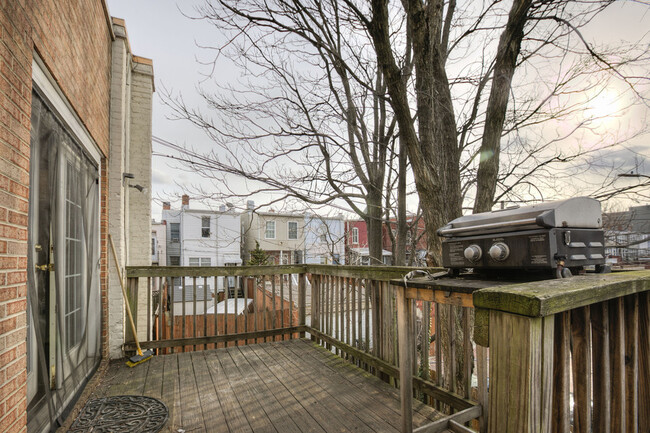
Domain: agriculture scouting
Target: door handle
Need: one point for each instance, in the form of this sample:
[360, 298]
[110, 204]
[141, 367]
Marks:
[47, 267]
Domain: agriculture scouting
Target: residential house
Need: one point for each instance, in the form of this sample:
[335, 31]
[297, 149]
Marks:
[75, 167]
[416, 239]
[324, 239]
[356, 244]
[158, 243]
[627, 234]
[201, 237]
[280, 235]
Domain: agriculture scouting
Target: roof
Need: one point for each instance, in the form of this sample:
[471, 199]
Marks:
[235, 306]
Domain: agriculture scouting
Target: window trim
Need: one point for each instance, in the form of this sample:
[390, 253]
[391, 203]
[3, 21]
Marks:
[171, 236]
[266, 229]
[355, 235]
[289, 230]
[203, 227]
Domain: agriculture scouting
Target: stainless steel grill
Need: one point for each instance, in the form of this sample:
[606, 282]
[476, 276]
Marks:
[552, 235]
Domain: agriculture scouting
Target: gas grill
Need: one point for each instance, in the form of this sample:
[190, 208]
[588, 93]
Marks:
[557, 236]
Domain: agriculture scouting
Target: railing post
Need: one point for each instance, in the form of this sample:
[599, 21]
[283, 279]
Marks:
[302, 301]
[132, 295]
[521, 373]
[405, 341]
[315, 304]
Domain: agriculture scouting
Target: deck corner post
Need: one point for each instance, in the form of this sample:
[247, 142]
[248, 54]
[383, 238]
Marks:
[405, 342]
[302, 283]
[521, 373]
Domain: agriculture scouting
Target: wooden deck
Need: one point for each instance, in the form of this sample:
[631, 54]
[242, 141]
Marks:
[289, 386]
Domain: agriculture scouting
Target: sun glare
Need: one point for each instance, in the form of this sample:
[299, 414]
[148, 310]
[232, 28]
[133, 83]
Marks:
[604, 106]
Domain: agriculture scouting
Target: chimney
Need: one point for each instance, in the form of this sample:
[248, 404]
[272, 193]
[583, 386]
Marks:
[167, 205]
[250, 205]
[185, 201]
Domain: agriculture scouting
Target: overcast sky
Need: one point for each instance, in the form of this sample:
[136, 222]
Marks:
[158, 30]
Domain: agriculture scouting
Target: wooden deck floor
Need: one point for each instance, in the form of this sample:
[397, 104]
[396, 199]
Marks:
[290, 386]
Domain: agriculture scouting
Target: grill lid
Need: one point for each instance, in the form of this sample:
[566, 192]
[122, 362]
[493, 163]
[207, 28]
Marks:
[578, 212]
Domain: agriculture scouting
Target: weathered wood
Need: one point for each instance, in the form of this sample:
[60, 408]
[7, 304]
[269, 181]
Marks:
[442, 424]
[224, 338]
[302, 301]
[208, 397]
[315, 304]
[421, 385]
[544, 298]
[482, 385]
[581, 368]
[171, 394]
[467, 353]
[617, 359]
[190, 402]
[406, 342]
[601, 367]
[631, 305]
[644, 362]
[561, 411]
[481, 327]
[383, 273]
[520, 381]
[441, 296]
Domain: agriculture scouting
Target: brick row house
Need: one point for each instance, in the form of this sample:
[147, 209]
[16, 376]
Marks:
[75, 166]
[356, 242]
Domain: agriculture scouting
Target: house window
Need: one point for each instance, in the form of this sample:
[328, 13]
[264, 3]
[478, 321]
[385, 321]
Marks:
[153, 246]
[200, 261]
[270, 230]
[175, 232]
[323, 237]
[355, 235]
[323, 260]
[293, 230]
[174, 260]
[205, 227]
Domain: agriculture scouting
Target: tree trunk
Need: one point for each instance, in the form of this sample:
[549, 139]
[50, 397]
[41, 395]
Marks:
[504, 69]
[402, 225]
[374, 224]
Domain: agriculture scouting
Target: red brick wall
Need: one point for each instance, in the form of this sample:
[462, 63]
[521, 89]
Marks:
[74, 41]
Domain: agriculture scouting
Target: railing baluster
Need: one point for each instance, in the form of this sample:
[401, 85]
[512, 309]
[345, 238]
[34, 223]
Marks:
[256, 314]
[282, 337]
[205, 309]
[581, 368]
[632, 367]
[172, 319]
[601, 366]
[560, 398]
[215, 302]
[644, 361]
[264, 304]
[194, 311]
[183, 311]
[275, 318]
[226, 317]
[236, 309]
[290, 305]
[468, 353]
[244, 283]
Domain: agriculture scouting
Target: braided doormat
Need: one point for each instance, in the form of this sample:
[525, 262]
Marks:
[121, 414]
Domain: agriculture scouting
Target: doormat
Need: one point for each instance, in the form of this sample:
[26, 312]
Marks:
[121, 414]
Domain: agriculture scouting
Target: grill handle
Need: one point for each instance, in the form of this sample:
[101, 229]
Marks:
[450, 231]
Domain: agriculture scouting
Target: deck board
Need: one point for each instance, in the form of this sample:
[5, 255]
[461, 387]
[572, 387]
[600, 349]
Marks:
[284, 386]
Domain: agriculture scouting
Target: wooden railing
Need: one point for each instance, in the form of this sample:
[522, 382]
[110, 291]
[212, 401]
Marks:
[550, 343]
[569, 355]
[350, 310]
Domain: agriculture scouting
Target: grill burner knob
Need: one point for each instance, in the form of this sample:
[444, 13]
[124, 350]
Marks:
[473, 253]
[499, 251]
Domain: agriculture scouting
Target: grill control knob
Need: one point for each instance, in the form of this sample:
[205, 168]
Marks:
[499, 251]
[473, 253]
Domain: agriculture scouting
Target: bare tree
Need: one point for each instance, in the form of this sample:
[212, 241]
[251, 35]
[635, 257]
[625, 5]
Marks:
[310, 118]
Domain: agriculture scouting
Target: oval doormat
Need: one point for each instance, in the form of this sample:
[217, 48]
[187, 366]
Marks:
[121, 414]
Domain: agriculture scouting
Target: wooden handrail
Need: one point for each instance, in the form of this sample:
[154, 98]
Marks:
[548, 297]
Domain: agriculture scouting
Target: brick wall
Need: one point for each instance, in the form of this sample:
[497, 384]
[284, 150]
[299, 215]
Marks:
[74, 41]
